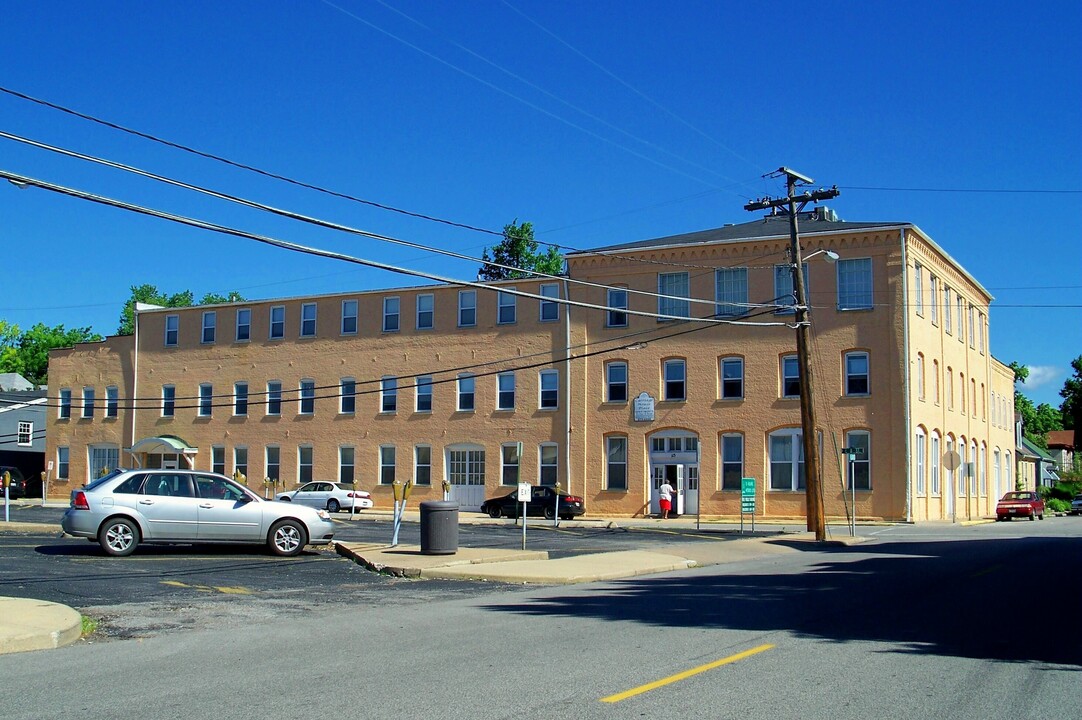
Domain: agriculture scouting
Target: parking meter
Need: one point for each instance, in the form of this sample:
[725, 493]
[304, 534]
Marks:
[6, 480]
[446, 489]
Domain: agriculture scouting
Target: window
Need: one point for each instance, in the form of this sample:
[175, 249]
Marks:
[509, 463]
[933, 297]
[616, 382]
[347, 396]
[933, 461]
[859, 469]
[996, 476]
[103, 458]
[274, 397]
[947, 327]
[217, 459]
[88, 402]
[972, 328]
[918, 289]
[982, 473]
[505, 391]
[206, 399]
[949, 388]
[240, 398]
[784, 291]
[240, 460]
[549, 464]
[467, 308]
[920, 376]
[390, 314]
[617, 302]
[422, 465]
[307, 397]
[304, 464]
[210, 326]
[467, 466]
[732, 461]
[386, 464]
[349, 318]
[172, 330]
[112, 395]
[920, 449]
[962, 390]
[550, 310]
[935, 381]
[465, 393]
[346, 464]
[973, 396]
[63, 410]
[786, 449]
[505, 308]
[948, 472]
[277, 322]
[63, 454]
[550, 389]
[856, 373]
[674, 375]
[308, 320]
[980, 332]
[790, 377]
[169, 400]
[424, 393]
[732, 378]
[731, 291]
[24, 434]
[855, 284]
[425, 307]
[388, 395]
[959, 304]
[673, 289]
[274, 462]
[616, 463]
[244, 325]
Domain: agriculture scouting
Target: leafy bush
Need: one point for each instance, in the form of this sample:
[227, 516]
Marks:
[1057, 505]
[1061, 491]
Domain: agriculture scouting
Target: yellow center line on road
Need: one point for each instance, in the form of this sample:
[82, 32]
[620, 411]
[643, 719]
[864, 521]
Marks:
[685, 675]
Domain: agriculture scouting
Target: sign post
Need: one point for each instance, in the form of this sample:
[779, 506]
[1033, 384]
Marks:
[851, 453]
[747, 501]
[524, 494]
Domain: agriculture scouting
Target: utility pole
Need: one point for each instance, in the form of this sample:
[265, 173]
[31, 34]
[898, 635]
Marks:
[789, 203]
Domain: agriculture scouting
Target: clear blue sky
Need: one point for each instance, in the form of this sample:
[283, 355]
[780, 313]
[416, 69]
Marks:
[599, 122]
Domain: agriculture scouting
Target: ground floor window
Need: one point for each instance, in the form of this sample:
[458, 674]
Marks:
[422, 465]
[274, 462]
[467, 467]
[786, 449]
[217, 459]
[240, 460]
[859, 469]
[386, 464]
[304, 464]
[346, 461]
[63, 462]
[732, 461]
[103, 458]
[549, 456]
[509, 462]
[616, 463]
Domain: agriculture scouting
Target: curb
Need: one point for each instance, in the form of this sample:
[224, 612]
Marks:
[37, 625]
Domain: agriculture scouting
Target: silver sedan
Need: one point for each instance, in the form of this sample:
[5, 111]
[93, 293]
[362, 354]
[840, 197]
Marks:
[129, 507]
[334, 496]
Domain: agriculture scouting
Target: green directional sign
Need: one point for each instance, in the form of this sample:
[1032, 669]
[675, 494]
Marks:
[747, 495]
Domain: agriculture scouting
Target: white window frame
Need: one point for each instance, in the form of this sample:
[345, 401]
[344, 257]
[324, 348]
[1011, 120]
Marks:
[920, 377]
[854, 377]
[392, 314]
[920, 453]
[666, 379]
[731, 291]
[172, 330]
[63, 406]
[725, 379]
[274, 398]
[347, 396]
[933, 297]
[24, 433]
[246, 335]
[347, 464]
[387, 464]
[506, 304]
[548, 390]
[206, 400]
[309, 318]
[87, 408]
[418, 464]
[789, 362]
[428, 313]
[861, 465]
[217, 459]
[63, 462]
[918, 289]
[240, 459]
[855, 284]
[305, 465]
[272, 461]
[388, 394]
[240, 398]
[616, 382]
[462, 394]
[350, 324]
[210, 327]
[277, 327]
[548, 464]
[505, 385]
[548, 310]
[934, 484]
[785, 289]
[510, 460]
[112, 401]
[617, 303]
[169, 401]
[674, 291]
[423, 385]
[620, 461]
[306, 397]
[948, 327]
[728, 441]
[796, 481]
[467, 308]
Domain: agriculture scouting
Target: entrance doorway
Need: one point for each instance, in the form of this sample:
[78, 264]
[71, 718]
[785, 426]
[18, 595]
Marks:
[674, 457]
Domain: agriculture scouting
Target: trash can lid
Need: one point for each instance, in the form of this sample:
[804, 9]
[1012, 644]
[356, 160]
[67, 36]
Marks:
[439, 505]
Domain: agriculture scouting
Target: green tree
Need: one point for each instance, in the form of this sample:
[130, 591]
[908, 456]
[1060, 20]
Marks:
[1037, 420]
[1071, 408]
[27, 353]
[151, 295]
[519, 249]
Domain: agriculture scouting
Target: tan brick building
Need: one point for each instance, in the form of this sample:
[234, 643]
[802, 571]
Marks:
[447, 383]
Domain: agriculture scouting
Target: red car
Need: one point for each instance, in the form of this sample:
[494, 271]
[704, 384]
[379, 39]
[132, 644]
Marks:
[1020, 504]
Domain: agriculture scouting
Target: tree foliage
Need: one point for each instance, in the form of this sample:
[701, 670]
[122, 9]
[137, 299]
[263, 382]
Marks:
[1037, 420]
[518, 249]
[27, 352]
[151, 295]
[1071, 408]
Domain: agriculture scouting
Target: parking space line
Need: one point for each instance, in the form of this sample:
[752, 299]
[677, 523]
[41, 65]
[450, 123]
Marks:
[225, 590]
[685, 674]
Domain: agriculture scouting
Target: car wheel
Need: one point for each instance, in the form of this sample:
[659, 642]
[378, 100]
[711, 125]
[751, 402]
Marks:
[1032, 515]
[286, 538]
[333, 506]
[118, 537]
[1041, 516]
[286, 499]
[550, 513]
[494, 511]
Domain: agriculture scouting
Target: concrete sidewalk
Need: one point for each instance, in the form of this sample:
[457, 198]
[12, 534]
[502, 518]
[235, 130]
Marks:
[36, 625]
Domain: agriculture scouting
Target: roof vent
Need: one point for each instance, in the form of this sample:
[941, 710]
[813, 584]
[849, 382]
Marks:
[825, 214]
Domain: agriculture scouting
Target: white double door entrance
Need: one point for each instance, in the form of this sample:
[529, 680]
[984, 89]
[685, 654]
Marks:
[674, 458]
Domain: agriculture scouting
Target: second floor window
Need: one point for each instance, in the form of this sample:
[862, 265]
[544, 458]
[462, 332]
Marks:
[550, 310]
[112, 395]
[172, 330]
[731, 291]
[616, 382]
[240, 398]
[506, 308]
[855, 284]
[732, 378]
[467, 308]
[790, 377]
[210, 326]
[675, 378]
[349, 317]
[277, 322]
[206, 399]
[465, 393]
[505, 398]
[424, 393]
[674, 288]
[308, 397]
[347, 390]
[388, 393]
[308, 320]
[425, 312]
[390, 314]
[169, 400]
[274, 397]
[88, 402]
[785, 290]
[244, 325]
[856, 373]
[64, 410]
[617, 302]
[550, 389]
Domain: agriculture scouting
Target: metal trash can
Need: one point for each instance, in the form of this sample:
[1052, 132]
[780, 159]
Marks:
[439, 527]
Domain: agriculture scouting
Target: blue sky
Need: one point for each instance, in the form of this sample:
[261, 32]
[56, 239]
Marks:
[599, 122]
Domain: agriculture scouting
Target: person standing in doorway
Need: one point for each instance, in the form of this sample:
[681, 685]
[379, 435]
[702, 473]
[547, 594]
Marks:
[665, 492]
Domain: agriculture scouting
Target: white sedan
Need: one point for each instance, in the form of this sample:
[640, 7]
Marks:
[334, 496]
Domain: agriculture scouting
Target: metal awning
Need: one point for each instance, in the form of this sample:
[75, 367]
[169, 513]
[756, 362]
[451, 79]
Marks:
[163, 444]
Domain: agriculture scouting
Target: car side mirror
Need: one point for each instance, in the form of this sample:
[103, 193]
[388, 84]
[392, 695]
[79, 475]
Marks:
[244, 499]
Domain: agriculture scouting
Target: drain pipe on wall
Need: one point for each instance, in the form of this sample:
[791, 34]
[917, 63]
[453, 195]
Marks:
[567, 384]
[906, 380]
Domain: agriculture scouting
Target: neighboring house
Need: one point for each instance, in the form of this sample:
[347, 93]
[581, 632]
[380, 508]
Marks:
[677, 363]
[22, 425]
[1036, 468]
[1061, 448]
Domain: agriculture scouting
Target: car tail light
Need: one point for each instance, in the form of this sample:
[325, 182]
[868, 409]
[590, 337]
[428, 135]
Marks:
[79, 501]
[361, 495]
[572, 498]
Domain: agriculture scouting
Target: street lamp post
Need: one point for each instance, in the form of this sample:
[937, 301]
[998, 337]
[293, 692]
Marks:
[816, 521]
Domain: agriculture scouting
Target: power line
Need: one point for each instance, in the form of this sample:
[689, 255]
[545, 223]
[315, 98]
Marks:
[965, 190]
